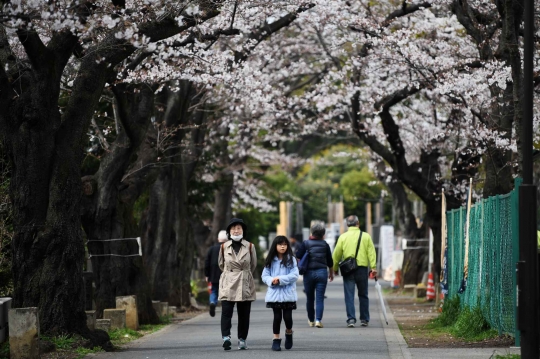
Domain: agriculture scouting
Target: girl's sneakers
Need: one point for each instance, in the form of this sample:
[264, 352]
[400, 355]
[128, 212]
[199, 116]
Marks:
[319, 324]
[227, 343]
[276, 345]
[288, 340]
[311, 324]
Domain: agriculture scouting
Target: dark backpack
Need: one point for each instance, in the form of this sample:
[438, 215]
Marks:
[304, 262]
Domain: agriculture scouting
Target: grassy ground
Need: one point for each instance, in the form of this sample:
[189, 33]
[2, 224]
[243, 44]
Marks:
[423, 327]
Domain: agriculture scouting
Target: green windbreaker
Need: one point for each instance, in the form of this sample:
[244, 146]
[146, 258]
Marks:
[346, 247]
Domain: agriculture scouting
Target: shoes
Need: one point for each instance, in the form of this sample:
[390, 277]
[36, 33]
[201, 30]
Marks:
[319, 324]
[212, 310]
[288, 340]
[311, 324]
[364, 323]
[242, 345]
[350, 324]
[276, 345]
[227, 343]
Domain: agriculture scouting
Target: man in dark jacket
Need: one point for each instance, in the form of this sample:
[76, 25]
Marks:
[212, 271]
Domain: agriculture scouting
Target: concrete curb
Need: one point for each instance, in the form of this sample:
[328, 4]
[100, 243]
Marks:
[397, 346]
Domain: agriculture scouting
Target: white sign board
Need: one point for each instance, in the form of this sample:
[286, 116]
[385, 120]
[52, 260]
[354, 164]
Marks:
[386, 245]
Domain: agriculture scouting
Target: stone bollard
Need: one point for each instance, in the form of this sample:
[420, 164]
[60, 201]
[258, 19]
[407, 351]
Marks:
[91, 319]
[156, 306]
[23, 333]
[129, 303]
[5, 306]
[103, 324]
[409, 288]
[193, 302]
[164, 309]
[419, 292]
[117, 317]
[172, 310]
[160, 308]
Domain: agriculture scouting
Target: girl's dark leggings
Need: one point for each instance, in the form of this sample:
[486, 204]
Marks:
[286, 314]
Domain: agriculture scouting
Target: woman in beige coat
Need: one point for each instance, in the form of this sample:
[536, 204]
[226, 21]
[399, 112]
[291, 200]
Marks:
[237, 260]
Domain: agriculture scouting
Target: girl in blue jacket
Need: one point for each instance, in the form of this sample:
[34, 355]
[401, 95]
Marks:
[280, 274]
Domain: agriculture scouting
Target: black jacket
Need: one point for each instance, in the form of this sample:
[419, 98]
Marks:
[320, 255]
[211, 267]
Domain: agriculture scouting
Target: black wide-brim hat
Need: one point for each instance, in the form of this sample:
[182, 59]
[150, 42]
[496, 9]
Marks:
[236, 221]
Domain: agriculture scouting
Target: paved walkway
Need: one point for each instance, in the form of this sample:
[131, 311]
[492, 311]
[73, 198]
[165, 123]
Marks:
[200, 337]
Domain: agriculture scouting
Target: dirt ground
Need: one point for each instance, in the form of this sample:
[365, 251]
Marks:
[412, 316]
[71, 354]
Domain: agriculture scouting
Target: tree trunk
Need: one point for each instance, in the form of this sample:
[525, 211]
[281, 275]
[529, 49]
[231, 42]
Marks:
[45, 149]
[403, 209]
[48, 248]
[505, 108]
[45, 153]
[222, 209]
[169, 247]
[108, 209]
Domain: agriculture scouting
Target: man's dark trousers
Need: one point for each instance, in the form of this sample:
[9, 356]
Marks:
[359, 279]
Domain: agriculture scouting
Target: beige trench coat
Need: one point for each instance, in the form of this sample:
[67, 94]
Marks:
[236, 283]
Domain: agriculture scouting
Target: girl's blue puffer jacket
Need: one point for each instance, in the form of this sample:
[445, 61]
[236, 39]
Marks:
[285, 291]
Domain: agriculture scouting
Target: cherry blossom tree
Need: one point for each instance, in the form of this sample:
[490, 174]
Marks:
[41, 43]
[412, 82]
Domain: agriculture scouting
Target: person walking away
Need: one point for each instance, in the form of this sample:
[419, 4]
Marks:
[237, 260]
[293, 244]
[365, 257]
[280, 274]
[212, 271]
[318, 273]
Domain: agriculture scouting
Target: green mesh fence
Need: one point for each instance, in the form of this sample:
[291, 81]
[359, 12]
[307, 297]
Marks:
[493, 253]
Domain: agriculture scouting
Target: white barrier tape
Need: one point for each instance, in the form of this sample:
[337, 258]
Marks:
[113, 255]
[138, 239]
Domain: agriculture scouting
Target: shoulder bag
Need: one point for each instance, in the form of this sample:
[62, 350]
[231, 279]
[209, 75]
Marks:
[348, 265]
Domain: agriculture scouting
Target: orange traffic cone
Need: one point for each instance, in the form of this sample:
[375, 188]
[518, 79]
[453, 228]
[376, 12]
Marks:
[430, 292]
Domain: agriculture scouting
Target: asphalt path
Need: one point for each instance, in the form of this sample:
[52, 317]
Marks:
[200, 337]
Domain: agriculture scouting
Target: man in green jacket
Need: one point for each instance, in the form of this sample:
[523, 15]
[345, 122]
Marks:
[346, 248]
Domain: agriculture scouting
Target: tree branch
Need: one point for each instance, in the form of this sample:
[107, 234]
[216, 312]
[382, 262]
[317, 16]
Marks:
[390, 100]
[325, 48]
[97, 67]
[206, 37]
[263, 33]
[62, 46]
[404, 11]
[7, 57]
[360, 130]
[466, 20]
[37, 52]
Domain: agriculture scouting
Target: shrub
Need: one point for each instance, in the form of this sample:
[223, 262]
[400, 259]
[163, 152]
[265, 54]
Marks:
[471, 325]
[450, 312]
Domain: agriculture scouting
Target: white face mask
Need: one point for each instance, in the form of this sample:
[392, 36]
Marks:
[236, 238]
